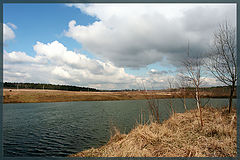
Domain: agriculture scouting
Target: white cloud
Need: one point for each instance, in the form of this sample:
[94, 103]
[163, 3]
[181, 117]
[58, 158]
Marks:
[156, 72]
[53, 63]
[125, 35]
[136, 35]
[17, 57]
[59, 71]
[211, 81]
[13, 26]
[8, 33]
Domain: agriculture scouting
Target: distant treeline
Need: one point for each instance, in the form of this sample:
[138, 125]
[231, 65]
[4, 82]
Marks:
[120, 90]
[215, 90]
[208, 89]
[11, 85]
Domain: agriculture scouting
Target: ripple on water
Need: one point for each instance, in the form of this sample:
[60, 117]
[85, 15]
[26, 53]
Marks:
[59, 129]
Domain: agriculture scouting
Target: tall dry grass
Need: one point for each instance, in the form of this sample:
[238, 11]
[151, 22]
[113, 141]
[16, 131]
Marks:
[179, 136]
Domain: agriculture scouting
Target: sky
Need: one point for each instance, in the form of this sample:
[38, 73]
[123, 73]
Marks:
[107, 46]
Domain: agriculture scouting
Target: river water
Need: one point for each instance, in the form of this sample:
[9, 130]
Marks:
[63, 128]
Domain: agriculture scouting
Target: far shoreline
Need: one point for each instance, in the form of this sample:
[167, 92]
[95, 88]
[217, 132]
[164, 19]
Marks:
[44, 96]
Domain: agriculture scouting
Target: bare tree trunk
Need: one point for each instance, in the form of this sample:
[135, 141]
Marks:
[200, 111]
[184, 103]
[223, 58]
[170, 81]
[171, 106]
[230, 98]
[199, 105]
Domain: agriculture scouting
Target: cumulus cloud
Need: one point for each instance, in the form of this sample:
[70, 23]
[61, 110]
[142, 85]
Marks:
[211, 81]
[12, 25]
[156, 72]
[17, 57]
[54, 63]
[124, 36]
[136, 35]
[8, 33]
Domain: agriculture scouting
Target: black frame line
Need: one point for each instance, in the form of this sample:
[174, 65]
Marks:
[116, 1]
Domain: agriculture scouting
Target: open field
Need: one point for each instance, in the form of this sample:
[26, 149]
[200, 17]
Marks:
[39, 95]
[179, 136]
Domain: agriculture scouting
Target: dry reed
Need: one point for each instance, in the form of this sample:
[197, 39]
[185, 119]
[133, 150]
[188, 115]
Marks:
[179, 136]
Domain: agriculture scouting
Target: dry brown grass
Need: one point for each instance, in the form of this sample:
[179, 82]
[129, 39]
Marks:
[39, 95]
[179, 136]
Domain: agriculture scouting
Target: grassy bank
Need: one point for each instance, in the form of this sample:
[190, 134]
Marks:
[179, 136]
[40, 95]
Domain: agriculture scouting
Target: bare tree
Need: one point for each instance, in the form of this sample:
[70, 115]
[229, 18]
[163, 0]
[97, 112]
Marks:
[193, 75]
[222, 61]
[170, 84]
[182, 84]
[153, 105]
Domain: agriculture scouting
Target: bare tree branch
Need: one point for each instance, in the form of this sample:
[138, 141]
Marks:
[222, 58]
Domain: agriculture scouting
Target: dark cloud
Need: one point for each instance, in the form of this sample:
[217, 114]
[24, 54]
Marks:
[137, 39]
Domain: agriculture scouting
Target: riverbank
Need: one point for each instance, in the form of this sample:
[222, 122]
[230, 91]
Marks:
[179, 136]
[40, 95]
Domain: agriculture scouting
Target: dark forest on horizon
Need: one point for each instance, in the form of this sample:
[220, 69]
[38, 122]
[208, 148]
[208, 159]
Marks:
[16, 85]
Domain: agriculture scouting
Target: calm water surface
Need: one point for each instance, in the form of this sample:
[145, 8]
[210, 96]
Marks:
[63, 128]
